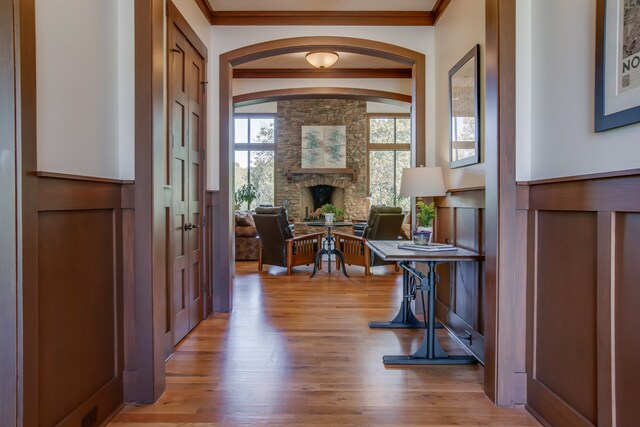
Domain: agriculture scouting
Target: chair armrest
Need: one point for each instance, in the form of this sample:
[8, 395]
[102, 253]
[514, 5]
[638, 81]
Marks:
[349, 237]
[306, 236]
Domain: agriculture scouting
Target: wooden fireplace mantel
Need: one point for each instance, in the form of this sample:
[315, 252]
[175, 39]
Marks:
[291, 173]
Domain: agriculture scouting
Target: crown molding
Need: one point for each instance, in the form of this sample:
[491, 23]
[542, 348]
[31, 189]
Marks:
[371, 18]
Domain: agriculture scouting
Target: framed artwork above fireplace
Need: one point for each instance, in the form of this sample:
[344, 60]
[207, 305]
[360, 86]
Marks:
[324, 147]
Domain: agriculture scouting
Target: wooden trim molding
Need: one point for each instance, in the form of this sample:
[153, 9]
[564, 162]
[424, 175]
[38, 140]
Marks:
[322, 73]
[438, 10]
[183, 25]
[321, 92]
[501, 368]
[147, 376]
[206, 9]
[369, 18]
[10, 228]
[586, 177]
[43, 174]
[350, 17]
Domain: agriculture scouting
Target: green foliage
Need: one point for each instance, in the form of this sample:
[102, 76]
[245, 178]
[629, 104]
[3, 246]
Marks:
[247, 193]
[330, 208]
[426, 213]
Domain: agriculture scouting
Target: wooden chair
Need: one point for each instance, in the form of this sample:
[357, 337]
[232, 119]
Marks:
[384, 223]
[278, 246]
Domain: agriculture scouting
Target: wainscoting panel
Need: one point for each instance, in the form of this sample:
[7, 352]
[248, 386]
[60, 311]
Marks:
[84, 257]
[460, 291]
[565, 314]
[582, 299]
[627, 317]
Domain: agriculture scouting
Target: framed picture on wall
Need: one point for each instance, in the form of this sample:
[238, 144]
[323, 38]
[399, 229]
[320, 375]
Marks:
[464, 110]
[617, 97]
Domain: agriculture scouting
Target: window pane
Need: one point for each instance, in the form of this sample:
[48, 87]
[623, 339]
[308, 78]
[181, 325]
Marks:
[381, 182]
[403, 160]
[262, 130]
[262, 166]
[381, 131]
[241, 131]
[403, 131]
[241, 170]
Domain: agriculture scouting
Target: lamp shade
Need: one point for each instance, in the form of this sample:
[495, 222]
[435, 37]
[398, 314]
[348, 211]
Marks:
[422, 182]
[322, 59]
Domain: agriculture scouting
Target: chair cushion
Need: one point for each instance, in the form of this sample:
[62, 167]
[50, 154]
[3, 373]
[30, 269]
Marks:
[244, 219]
[246, 231]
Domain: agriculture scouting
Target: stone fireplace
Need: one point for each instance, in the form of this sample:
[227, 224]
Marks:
[348, 190]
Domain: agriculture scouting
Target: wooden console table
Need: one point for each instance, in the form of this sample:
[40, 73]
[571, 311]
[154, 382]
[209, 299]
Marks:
[430, 352]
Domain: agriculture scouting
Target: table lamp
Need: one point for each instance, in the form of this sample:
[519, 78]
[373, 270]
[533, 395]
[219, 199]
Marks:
[422, 182]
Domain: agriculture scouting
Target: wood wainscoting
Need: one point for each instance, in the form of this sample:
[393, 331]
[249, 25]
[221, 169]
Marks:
[83, 300]
[212, 211]
[582, 239]
[460, 292]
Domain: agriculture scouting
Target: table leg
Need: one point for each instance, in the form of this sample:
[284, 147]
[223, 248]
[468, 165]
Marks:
[338, 253]
[329, 250]
[405, 319]
[318, 259]
[430, 351]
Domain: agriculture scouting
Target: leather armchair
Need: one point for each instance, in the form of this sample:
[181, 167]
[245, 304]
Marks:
[384, 223]
[278, 246]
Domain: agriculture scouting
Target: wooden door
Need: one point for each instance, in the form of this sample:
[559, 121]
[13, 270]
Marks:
[186, 96]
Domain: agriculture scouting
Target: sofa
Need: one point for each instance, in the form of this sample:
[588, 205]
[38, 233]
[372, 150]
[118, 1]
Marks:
[246, 237]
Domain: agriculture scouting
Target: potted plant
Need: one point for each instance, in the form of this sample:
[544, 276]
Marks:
[246, 194]
[331, 209]
[426, 213]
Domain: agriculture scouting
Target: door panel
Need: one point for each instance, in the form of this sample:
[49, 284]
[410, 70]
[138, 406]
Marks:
[195, 79]
[186, 97]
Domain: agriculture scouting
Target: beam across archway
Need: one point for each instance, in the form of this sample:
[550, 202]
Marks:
[223, 227]
[321, 92]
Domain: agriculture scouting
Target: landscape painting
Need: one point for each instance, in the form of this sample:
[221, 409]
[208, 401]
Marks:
[324, 147]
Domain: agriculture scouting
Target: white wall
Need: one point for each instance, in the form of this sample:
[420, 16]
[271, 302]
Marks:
[77, 79]
[458, 30]
[224, 39]
[563, 142]
[126, 90]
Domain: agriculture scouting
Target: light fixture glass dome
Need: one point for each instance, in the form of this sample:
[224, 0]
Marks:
[322, 59]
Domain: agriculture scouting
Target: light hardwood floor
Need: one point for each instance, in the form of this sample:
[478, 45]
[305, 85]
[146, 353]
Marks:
[297, 351]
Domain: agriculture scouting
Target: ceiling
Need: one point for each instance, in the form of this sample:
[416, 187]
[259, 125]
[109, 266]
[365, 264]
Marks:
[321, 5]
[347, 60]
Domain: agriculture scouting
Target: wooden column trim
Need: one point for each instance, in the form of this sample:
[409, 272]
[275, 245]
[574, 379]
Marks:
[150, 258]
[10, 229]
[27, 123]
[501, 286]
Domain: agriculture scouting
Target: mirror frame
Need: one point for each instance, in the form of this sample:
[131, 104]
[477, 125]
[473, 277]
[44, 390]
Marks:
[472, 55]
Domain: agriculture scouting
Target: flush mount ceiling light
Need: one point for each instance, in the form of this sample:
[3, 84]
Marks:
[322, 59]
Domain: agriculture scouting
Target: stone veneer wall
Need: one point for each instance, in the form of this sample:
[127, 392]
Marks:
[291, 116]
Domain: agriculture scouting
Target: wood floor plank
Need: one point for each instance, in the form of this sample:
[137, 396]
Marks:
[298, 352]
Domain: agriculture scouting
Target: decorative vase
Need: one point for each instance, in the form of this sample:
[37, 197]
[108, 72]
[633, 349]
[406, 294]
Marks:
[328, 218]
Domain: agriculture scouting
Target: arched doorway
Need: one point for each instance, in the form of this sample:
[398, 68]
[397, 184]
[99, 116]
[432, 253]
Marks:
[223, 227]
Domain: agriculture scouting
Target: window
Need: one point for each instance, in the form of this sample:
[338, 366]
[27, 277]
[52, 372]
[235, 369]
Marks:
[254, 145]
[389, 152]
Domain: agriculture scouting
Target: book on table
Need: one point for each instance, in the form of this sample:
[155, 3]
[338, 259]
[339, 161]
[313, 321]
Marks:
[431, 247]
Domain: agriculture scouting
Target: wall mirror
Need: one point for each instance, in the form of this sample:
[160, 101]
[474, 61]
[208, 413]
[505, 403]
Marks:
[464, 110]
